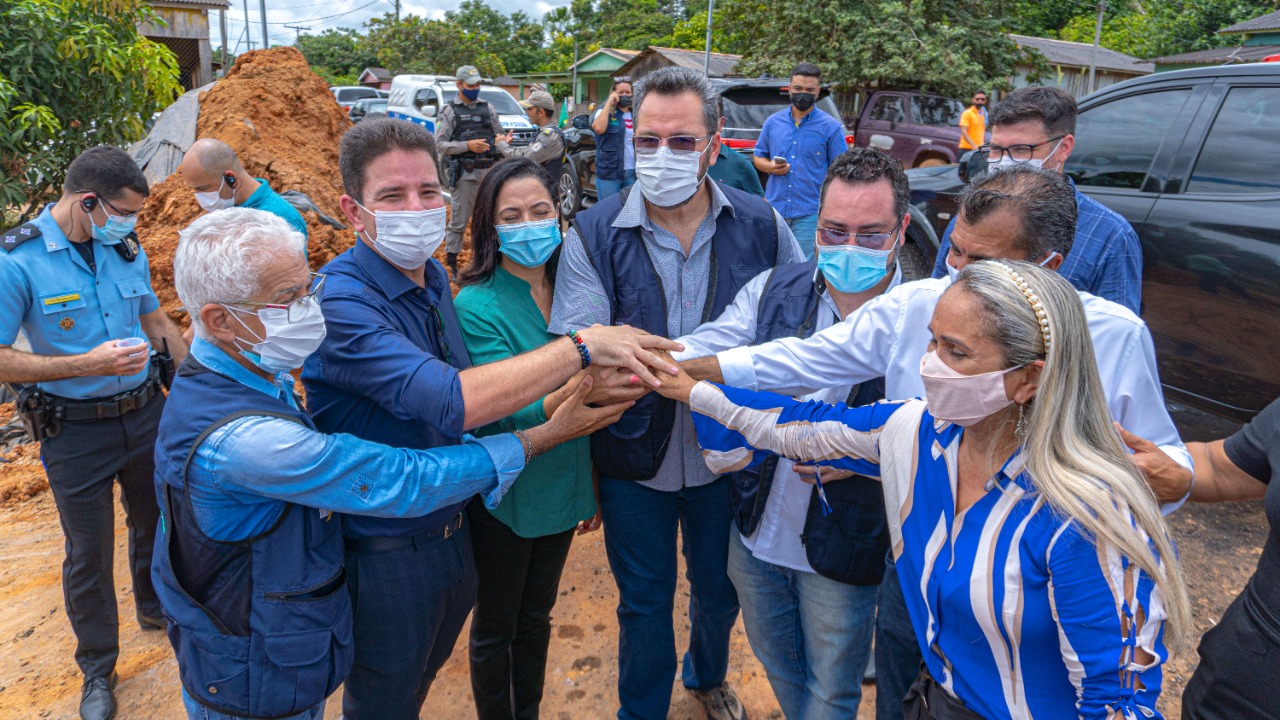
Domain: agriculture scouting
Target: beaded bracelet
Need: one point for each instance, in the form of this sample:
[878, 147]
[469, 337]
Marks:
[582, 348]
[525, 445]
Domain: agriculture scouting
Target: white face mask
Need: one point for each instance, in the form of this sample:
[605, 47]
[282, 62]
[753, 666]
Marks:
[287, 344]
[408, 238]
[952, 272]
[668, 179]
[210, 201]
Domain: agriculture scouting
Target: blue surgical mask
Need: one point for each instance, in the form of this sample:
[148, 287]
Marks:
[529, 243]
[116, 229]
[852, 268]
[471, 94]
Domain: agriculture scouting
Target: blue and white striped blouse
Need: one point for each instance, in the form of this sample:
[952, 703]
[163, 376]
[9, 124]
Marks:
[1017, 611]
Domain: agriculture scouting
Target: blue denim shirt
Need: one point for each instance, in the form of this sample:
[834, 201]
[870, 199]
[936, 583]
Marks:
[47, 290]
[1105, 258]
[810, 148]
[388, 368]
[244, 473]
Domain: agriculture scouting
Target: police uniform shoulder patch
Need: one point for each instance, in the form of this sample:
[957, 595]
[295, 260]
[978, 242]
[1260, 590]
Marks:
[11, 239]
[548, 131]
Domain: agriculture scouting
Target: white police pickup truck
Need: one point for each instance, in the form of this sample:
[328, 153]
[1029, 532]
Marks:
[419, 98]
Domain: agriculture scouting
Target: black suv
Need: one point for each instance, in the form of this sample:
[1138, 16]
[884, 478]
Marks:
[1192, 160]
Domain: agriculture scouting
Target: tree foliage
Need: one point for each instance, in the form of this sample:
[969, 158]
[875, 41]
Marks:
[1156, 28]
[73, 74]
[947, 46]
[417, 45]
[338, 56]
[517, 38]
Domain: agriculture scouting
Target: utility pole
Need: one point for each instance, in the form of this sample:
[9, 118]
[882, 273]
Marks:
[397, 11]
[706, 58]
[297, 31]
[222, 22]
[262, 4]
[575, 72]
[248, 37]
[1097, 39]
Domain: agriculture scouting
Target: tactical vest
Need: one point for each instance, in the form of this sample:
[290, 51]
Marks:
[745, 244]
[261, 627]
[555, 166]
[609, 149]
[474, 122]
[848, 545]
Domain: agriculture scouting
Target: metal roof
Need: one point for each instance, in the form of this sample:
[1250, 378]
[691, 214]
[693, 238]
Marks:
[1065, 52]
[203, 4]
[721, 65]
[378, 73]
[1270, 21]
[623, 55]
[1242, 53]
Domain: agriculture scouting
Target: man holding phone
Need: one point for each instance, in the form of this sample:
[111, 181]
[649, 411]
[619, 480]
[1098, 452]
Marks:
[796, 146]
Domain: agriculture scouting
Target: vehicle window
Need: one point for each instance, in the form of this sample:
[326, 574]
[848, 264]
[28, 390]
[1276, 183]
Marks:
[377, 106]
[1116, 142]
[1241, 154]
[888, 108]
[353, 94]
[942, 111]
[746, 109]
[499, 99]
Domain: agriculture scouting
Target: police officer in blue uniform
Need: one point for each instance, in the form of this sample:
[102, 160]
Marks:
[77, 283]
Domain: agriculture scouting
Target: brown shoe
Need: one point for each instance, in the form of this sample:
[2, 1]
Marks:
[721, 703]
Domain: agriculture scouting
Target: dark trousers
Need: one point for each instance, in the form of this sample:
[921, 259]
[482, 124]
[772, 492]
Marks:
[1239, 671]
[83, 462]
[410, 606]
[640, 540]
[511, 628]
[897, 652]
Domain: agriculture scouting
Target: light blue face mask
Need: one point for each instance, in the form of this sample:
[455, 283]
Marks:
[852, 268]
[529, 243]
[116, 229]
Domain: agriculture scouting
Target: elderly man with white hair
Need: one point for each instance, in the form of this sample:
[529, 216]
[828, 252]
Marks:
[249, 568]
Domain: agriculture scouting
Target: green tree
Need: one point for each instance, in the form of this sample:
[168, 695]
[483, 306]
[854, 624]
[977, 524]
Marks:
[516, 38]
[338, 56]
[1152, 29]
[417, 45]
[73, 74]
[947, 46]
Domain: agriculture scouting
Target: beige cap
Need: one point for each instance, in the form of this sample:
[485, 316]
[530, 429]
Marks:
[539, 99]
[469, 74]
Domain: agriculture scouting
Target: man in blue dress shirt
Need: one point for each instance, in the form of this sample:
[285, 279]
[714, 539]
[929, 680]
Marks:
[1036, 125]
[393, 369]
[77, 283]
[795, 148]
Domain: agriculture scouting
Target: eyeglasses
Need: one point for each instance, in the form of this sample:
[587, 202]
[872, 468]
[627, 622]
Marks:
[870, 241]
[294, 310]
[677, 143]
[1019, 153]
[444, 345]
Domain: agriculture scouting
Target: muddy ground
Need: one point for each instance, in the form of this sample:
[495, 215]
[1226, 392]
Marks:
[38, 679]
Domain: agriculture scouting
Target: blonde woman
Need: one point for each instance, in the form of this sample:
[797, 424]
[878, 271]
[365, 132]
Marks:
[1038, 571]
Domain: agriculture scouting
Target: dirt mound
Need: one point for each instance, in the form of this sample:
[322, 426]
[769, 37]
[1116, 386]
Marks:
[21, 473]
[285, 126]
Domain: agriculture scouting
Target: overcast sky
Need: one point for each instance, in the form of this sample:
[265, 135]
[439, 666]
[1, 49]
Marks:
[317, 16]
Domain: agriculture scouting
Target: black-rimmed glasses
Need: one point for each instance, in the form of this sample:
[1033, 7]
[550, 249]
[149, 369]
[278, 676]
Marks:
[1019, 153]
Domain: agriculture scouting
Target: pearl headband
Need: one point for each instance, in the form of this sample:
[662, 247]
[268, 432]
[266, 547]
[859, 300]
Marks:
[1032, 298]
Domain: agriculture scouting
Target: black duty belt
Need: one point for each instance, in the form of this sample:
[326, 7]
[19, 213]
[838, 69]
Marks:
[110, 407]
[390, 544]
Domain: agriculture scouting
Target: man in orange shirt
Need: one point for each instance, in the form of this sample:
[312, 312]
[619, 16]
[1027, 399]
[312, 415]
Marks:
[973, 123]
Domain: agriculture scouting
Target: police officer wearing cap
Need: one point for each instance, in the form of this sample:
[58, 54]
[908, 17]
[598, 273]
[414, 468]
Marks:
[77, 283]
[471, 140]
[548, 146]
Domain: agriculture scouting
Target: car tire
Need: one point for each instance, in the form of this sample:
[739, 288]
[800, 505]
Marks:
[932, 161]
[570, 191]
[913, 263]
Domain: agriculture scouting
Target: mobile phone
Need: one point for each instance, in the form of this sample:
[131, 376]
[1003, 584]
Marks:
[778, 159]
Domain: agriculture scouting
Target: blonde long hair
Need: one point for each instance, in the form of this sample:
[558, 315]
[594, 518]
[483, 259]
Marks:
[1072, 451]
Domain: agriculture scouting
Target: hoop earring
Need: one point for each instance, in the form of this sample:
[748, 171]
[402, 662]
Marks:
[1020, 429]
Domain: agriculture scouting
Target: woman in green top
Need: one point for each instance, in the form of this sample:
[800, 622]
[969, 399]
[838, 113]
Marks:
[520, 547]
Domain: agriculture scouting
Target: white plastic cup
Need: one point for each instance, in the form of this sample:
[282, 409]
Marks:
[133, 342]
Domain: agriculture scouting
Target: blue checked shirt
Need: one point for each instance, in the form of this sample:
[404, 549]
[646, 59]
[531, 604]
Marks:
[580, 301]
[1105, 259]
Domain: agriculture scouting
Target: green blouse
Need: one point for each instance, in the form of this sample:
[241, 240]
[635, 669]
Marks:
[499, 320]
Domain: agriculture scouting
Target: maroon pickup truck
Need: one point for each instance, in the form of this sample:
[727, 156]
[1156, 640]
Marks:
[919, 129]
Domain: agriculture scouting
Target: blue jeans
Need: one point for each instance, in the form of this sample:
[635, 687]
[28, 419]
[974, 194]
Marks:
[410, 605]
[640, 540]
[605, 188]
[897, 652]
[811, 634]
[196, 711]
[805, 228]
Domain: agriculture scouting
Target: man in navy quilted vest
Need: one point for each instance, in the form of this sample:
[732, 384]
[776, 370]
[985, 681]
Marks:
[665, 256]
